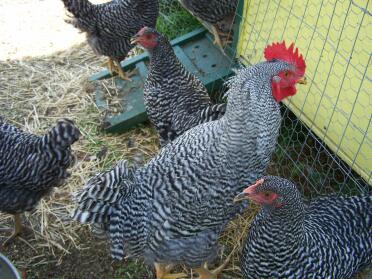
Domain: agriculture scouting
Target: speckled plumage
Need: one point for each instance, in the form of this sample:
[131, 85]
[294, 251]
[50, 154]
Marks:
[109, 26]
[175, 99]
[173, 209]
[31, 165]
[331, 237]
[211, 11]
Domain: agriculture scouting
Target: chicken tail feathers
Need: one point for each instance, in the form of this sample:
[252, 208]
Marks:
[101, 194]
[62, 135]
[56, 145]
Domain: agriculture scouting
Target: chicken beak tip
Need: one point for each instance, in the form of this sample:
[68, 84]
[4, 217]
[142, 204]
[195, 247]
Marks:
[241, 196]
[302, 81]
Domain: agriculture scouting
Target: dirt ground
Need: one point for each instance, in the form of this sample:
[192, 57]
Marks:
[34, 28]
[34, 37]
[93, 262]
[44, 68]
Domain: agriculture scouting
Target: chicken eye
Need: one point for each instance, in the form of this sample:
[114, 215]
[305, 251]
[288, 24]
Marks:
[286, 74]
[267, 194]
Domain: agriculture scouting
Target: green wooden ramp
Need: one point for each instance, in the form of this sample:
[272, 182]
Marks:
[196, 52]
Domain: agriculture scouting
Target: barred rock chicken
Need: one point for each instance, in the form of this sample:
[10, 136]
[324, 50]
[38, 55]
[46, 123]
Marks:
[175, 99]
[109, 26]
[173, 209]
[219, 13]
[30, 166]
[329, 238]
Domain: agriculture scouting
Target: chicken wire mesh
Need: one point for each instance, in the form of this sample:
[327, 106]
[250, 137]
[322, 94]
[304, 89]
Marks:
[325, 144]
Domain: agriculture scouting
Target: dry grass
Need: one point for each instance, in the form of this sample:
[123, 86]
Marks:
[35, 92]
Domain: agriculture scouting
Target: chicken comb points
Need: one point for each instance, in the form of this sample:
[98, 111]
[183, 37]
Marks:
[291, 55]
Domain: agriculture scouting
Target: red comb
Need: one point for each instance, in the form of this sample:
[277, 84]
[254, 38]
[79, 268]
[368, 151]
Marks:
[290, 55]
[252, 188]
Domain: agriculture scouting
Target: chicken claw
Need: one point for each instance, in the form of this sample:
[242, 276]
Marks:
[18, 228]
[114, 66]
[205, 273]
[163, 272]
[217, 39]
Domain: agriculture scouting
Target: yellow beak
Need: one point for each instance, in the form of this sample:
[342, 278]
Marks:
[134, 40]
[302, 81]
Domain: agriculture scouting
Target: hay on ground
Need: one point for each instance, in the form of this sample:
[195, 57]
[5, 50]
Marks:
[35, 93]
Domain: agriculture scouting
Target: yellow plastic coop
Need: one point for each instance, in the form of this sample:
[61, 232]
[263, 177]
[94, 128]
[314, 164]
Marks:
[335, 39]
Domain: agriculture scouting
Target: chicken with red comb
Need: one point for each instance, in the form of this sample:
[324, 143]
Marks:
[110, 25]
[173, 209]
[175, 99]
[328, 237]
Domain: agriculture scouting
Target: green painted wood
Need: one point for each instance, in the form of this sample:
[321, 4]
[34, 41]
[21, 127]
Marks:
[196, 52]
[129, 64]
[187, 63]
[132, 102]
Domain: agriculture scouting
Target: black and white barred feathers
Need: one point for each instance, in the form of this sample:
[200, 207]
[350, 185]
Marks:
[331, 237]
[31, 165]
[175, 99]
[109, 26]
[211, 11]
[173, 209]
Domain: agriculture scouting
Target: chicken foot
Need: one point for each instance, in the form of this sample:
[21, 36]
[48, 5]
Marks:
[217, 39]
[17, 230]
[113, 66]
[205, 273]
[163, 272]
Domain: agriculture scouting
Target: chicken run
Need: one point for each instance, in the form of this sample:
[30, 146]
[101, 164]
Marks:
[221, 139]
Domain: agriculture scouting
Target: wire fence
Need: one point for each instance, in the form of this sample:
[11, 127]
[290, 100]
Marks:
[325, 144]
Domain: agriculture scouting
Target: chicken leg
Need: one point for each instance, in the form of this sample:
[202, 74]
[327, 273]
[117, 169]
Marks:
[18, 228]
[162, 272]
[217, 39]
[113, 66]
[205, 273]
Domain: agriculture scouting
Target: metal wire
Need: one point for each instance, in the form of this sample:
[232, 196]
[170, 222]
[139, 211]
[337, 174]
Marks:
[302, 153]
